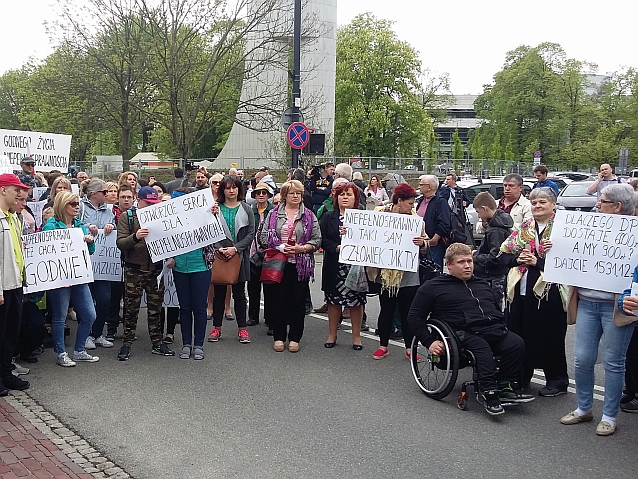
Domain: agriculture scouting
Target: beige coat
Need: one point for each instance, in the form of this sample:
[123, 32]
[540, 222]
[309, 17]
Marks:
[620, 319]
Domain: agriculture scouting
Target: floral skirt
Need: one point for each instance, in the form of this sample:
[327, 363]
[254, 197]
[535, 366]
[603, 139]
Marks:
[343, 296]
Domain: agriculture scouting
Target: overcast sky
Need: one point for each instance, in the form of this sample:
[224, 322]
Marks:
[467, 39]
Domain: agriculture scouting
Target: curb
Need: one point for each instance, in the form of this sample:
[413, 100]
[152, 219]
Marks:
[73, 446]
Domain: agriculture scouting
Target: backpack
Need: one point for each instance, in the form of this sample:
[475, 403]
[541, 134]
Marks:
[459, 231]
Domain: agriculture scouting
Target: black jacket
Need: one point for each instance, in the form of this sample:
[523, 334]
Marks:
[437, 217]
[486, 263]
[330, 239]
[465, 305]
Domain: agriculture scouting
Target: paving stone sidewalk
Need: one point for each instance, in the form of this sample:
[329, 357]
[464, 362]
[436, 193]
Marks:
[34, 444]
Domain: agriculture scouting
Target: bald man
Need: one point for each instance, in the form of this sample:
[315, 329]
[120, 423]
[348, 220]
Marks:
[605, 177]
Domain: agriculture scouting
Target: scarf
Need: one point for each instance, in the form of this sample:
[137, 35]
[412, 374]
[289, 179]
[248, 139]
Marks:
[305, 262]
[390, 278]
[527, 235]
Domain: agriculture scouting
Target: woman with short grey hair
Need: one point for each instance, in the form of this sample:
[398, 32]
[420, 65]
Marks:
[597, 318]
[620, 197]
[544, 192]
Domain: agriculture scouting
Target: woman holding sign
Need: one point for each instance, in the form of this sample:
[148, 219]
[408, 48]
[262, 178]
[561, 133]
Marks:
[334, 274]
[293, 230]
[534, 308]
[398, 288]
[601, 313]
[65, 210]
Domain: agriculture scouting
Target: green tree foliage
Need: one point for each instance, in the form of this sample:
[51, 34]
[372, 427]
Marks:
[378, 110]
[543, 101]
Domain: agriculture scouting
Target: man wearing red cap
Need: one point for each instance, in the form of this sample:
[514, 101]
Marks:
[11, 277]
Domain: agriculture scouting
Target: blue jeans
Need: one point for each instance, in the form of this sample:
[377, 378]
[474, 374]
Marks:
[79, 297]
[592, 321]
[192, 291]
[101, 292]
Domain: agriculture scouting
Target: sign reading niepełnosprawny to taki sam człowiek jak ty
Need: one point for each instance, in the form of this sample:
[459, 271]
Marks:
[49, 151]
[592, 250]
[180, 225]
[383, 240]
[56, 259]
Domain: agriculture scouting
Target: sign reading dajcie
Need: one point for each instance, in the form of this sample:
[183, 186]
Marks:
[380, 239]
[55, 259]
[49, 151]
[593, 250]
[180, 225]
[107, 265]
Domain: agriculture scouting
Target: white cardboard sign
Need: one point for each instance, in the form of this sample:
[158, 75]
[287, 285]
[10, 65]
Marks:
[180, 225]
[380, 239]
[56, 259]
[37, 207]
[50, 151]
[593, 250]
[170, 292]
[107, 263]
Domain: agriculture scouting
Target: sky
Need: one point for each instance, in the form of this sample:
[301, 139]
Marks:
[466, 39]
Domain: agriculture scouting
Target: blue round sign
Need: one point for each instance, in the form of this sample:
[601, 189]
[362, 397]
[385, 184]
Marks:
[298, 135]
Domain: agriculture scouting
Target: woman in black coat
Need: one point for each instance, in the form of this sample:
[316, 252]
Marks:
[334, 274]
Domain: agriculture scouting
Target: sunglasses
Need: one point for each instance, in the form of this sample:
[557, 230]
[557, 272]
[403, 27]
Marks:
[74, 204]
[29, 164]
[607, 202]
[103, 191]
[261, 192]
[214, 182]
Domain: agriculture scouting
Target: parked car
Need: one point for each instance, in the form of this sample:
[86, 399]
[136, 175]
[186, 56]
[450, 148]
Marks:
[575, 175]
[574, 197]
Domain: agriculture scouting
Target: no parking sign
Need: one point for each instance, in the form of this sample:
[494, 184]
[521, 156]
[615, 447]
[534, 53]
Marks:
[298, 135]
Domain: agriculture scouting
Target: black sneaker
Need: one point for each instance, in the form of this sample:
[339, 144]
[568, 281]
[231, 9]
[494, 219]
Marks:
[492, 404]
[631, 406]
[110, 336]
[163, 350]
[252, 322]
[125, 353]
[13, 382]
[512, 393]
[269, 332]
[625, 398]
[365, 327]
[550, 392]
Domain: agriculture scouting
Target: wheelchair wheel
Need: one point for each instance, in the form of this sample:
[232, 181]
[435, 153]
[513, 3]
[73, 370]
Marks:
[436, 375]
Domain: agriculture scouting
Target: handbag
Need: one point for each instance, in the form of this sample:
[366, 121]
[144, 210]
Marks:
[256, 261]
[225, 271]
[272, 268]
[209, 255]
[357, 279]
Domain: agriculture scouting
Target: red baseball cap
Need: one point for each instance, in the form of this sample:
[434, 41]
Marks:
[9, 179]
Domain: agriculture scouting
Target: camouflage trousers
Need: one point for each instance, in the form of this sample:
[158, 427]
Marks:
[135, 283]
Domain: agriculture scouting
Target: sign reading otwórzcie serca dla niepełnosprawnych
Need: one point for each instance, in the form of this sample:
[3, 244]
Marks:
[592, 250]
[49, 151]
[380, 239]
[56, 259]
[180, 225]
[107, 263]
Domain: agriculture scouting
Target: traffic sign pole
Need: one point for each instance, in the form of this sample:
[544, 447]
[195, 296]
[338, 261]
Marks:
[296, 76]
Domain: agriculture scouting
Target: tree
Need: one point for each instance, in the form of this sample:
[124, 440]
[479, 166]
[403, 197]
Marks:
[378, 110]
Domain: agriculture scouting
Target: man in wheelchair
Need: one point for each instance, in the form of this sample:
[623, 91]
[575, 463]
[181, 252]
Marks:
[467, 304]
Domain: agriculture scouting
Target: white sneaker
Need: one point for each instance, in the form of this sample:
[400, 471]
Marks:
[65, 360]
[102, 341]
[85, 357]
[19, 370]
[90, 343]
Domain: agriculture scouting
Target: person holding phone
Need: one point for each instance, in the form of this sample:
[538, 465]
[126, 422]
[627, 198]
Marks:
[534, 308]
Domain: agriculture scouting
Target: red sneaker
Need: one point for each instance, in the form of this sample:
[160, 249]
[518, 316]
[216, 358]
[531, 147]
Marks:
[380, 353]
[243, 336]
[214, 335]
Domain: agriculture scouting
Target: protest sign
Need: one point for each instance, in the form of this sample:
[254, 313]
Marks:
[5, 164]
[107, 265]
[381, 239]
[180, 225]
[593, 250]
[170, 292]
[56, 259]
[36, 208]
[38, 191]
[49, 151]
[75, 188]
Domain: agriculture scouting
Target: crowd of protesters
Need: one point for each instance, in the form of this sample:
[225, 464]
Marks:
[295, 220]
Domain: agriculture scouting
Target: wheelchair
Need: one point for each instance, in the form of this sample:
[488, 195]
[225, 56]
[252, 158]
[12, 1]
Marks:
[436, 375]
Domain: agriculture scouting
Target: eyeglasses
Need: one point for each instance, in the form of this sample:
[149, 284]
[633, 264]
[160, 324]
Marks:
[126, 198]
[608, 202]
[74, 204]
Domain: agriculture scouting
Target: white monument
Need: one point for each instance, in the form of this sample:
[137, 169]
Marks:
[257, 135]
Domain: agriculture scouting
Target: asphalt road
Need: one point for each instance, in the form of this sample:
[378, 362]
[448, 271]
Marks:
[246, 411]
